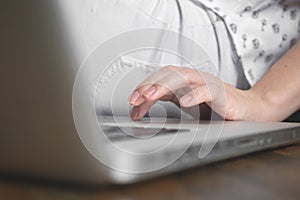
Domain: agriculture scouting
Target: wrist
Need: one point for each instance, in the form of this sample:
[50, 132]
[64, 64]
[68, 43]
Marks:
[259, 107]
[240, 104]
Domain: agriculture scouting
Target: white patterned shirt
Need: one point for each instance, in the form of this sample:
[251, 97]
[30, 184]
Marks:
[262, 30]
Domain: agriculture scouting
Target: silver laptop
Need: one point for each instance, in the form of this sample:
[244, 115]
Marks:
[43, 136]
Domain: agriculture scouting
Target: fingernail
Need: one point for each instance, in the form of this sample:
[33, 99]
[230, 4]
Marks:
[150, 91]
[134, 97]
[187, 99]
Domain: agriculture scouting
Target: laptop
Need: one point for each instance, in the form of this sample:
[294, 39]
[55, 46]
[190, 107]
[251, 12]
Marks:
[44, 137]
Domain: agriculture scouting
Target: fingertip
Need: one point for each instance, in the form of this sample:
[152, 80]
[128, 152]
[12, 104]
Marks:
[134, 103]
[140, 100]
[133, 112]
[187, 100]
[184, 105]
[134, 97]
[136, 119]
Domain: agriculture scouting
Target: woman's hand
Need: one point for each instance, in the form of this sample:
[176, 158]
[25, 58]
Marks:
[274, 98]
[188, 87]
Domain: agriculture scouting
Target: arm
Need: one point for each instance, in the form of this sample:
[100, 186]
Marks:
[273, 98]
[278, 92]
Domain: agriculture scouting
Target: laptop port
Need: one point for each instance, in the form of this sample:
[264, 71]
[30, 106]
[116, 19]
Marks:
[247, 142]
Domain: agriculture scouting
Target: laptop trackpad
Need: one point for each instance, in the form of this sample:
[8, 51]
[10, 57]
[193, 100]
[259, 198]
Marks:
[124, 132]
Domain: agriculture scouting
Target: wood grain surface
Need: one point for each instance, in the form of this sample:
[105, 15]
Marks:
[272, 174]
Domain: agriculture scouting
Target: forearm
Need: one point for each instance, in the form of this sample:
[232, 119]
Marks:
[278, 92]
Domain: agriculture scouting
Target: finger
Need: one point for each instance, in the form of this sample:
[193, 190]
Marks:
[175, 80]
[139, 112]
[136, 97]
[195, 97]
[172, 79]
[170, 97]
[157, 75]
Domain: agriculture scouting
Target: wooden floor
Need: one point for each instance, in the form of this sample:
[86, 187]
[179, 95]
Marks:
[273, 174]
